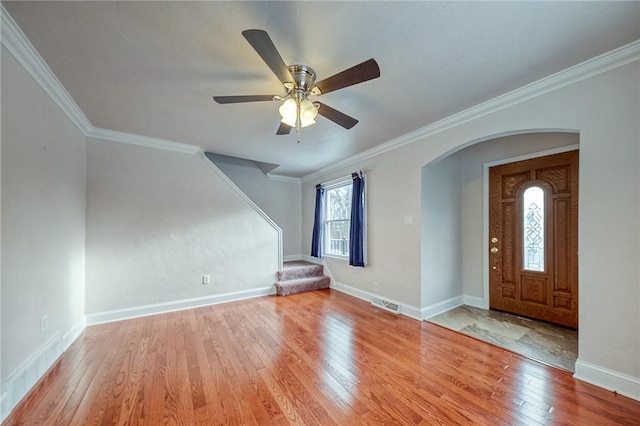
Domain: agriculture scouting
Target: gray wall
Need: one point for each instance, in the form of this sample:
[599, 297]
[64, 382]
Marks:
[43, 218]
[157, 221]
[280, 200]
[604, 110]
[442, 248]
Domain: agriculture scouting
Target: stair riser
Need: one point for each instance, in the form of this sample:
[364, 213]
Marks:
[284, 288]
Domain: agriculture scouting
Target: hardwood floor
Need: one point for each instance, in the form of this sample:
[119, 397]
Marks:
[313, 358]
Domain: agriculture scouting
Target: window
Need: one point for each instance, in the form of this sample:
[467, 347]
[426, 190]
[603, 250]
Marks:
[337, 219]
[533, 217]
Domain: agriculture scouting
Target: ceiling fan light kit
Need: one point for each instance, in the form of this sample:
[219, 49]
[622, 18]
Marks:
[297, 111]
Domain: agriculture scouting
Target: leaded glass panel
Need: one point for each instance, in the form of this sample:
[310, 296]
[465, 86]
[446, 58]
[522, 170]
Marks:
[533, 227]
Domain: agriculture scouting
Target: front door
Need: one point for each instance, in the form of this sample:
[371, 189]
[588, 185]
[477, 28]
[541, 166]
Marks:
[533, 238]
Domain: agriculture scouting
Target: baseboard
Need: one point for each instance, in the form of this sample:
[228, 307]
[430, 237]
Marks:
[70, 336]
[312, 259]
[5, 406]
[409, 311]
[161, 308]
[292, 257]
[442, 307]
[20, 382]
[476, 302]
[608, 379]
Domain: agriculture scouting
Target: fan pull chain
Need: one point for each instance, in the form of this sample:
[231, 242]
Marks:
[298, 120]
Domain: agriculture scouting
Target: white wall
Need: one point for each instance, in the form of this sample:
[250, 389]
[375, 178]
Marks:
[279, 199]
[604, 110]
[43, 228]
[393, 192]
[157, 221]
[441, 216]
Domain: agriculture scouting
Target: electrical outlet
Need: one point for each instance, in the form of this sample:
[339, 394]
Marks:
[376, 286]
[206, 279]
[44, 323]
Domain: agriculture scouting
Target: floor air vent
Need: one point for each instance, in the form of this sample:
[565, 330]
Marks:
[391, 307]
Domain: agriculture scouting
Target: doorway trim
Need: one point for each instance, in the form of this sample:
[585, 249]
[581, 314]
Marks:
[485, 207]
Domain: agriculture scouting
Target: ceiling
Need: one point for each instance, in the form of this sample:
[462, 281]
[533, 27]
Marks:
[151, 68]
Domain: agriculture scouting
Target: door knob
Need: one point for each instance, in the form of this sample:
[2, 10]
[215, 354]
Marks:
[494, 249]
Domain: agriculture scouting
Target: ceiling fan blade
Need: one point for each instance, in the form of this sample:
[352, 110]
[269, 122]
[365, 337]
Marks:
[283, 129]
[367, 70]
[261, 42]
[336, 116]
[238, 99]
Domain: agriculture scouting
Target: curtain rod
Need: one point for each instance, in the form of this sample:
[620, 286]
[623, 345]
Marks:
[347, 177]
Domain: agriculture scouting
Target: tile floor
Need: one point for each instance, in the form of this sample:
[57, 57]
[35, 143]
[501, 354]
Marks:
[544, 342]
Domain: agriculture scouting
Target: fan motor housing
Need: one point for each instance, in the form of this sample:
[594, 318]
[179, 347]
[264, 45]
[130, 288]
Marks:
[304, 77]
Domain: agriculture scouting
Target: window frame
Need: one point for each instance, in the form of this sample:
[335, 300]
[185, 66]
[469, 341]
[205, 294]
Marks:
[347, 181]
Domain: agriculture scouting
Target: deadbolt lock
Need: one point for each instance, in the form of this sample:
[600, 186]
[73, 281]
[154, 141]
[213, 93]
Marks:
[494, 240]
[494, 249]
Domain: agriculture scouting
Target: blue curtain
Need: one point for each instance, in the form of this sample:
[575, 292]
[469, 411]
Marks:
[316, 238]
[356, 234]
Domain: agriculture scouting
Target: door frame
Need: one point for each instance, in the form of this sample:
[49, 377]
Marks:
[485, 207]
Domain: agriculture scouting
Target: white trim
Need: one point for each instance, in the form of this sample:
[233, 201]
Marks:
[587, 69]
[21, 48]
[476, 302]
[406, 310]
[446, 305]
[129, 138]
[623, 384]
[280, 178]
[179, 305]
[337, 182]
[5, 405]
[441, 307]
[250, 202]
[312, 259]
[485, 206]
[70, 336]
[21, 381]
[291, 257]
[325, 269]
[26, 54]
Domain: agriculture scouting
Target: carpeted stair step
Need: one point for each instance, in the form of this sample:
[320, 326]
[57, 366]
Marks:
[299, 269]
[300, 285]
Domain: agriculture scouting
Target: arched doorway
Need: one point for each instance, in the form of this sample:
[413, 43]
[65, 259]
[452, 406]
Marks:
[455, 232]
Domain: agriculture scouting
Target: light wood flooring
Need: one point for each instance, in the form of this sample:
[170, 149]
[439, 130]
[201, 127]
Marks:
[318, 358]
[554, 345]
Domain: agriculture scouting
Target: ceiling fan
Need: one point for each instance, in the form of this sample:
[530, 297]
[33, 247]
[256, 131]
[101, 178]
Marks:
[299, 81]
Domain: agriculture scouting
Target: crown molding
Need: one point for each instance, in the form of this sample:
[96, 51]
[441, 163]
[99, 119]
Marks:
[17, 43]
[146, 141]
[281, 178]
[587, 69]
[21, 48]
[25, 53]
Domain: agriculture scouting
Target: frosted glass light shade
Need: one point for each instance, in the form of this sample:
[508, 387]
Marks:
[289, 112]
[308, 113]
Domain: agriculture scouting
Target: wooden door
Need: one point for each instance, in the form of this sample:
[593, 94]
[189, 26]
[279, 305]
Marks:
[533, 238]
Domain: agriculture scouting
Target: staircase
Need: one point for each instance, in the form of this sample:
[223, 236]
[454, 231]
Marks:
[299, 276]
